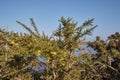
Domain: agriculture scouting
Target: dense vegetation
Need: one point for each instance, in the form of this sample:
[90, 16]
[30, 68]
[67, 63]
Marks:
[35, 56]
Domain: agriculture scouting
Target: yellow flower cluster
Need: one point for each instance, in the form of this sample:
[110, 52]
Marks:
[62, 58]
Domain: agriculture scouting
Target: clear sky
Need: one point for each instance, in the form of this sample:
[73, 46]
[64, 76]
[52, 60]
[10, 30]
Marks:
[46, 14]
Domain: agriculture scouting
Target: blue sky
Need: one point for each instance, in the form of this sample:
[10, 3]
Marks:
[46, 14]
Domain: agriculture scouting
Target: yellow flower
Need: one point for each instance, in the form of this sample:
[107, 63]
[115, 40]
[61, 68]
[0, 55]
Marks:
[64, 54]
[53, 53]
[48, 58]
[63, 64]
[61, 59]
[12, 42]
[38, 53]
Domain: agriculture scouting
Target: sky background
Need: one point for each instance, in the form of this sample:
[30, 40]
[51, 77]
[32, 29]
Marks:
[46, 14]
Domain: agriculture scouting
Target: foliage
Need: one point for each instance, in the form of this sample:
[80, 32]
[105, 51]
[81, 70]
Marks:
[34, 56]
[107, 57]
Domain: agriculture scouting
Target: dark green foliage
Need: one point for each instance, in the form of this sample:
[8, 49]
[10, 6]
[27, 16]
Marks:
[69, 34]
[108, 54]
